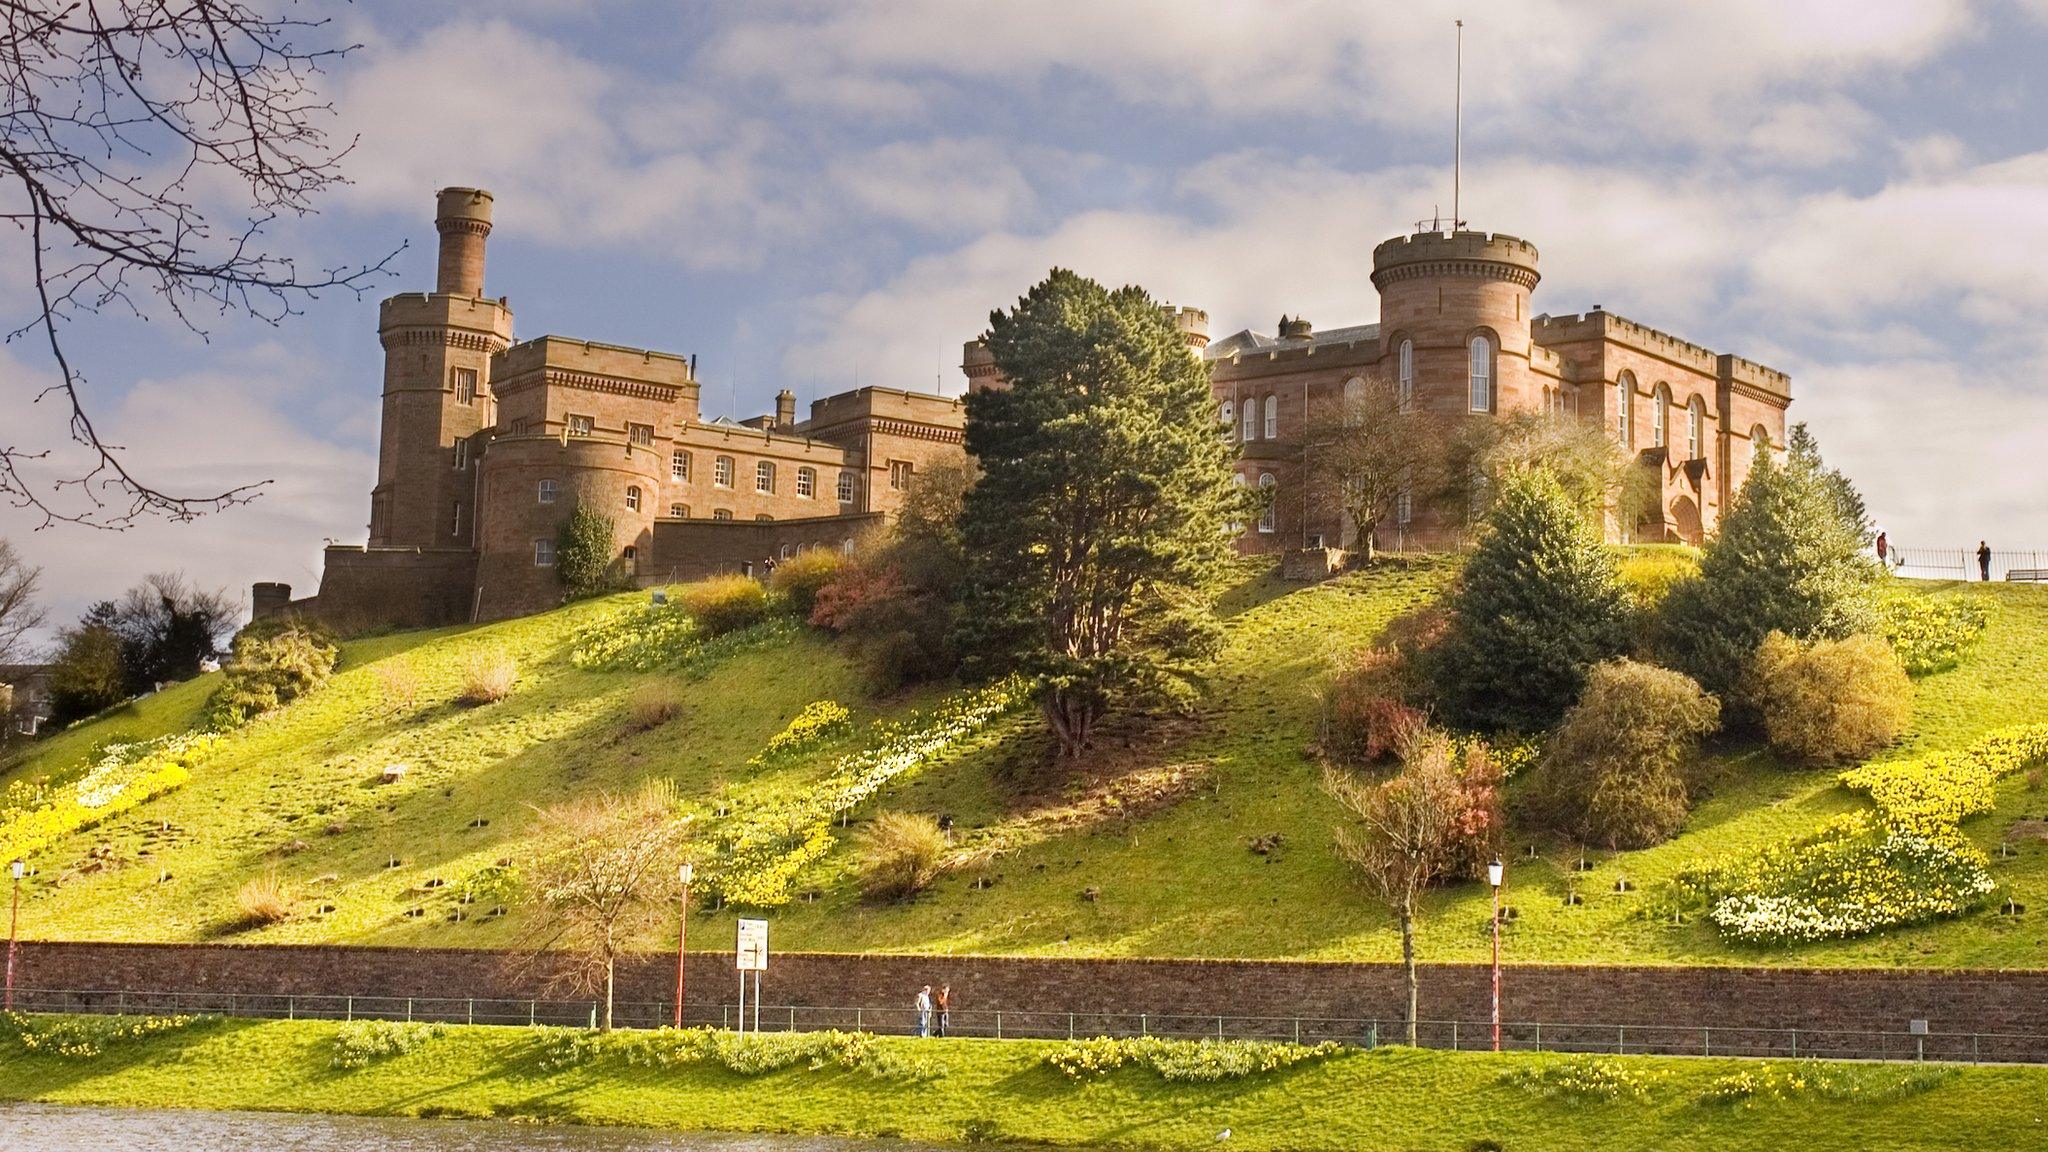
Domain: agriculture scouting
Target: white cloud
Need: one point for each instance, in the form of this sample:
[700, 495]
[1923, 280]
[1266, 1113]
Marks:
[940, 185]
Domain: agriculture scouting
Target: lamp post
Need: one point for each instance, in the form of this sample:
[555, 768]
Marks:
[13, 920]
[1495, 873]
[685, 873]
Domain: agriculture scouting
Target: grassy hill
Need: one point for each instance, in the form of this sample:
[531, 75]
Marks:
[1149, 851]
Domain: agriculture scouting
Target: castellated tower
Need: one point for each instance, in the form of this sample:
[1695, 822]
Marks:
[437, 387]
[1444, 293]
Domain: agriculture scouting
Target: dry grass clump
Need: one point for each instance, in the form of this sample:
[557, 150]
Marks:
[901, 853]
[398, 683]
[653, 704]
[488, 677]
[264, 900]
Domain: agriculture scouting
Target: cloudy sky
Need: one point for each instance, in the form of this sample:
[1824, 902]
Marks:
[1855, 191]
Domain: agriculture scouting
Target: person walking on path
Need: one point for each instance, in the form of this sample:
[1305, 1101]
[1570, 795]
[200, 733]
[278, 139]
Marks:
[924, 1011]
[1984, 560]
[944, 1003]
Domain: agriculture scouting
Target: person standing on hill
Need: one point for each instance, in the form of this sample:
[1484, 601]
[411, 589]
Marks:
[944, 1003]
[924, 1011]
[1883, 546]
[1984, 559]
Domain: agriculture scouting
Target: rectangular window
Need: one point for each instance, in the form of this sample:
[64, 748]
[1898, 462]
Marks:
[546, 492]
[581, 425]
[461, 455]
[764, 477]
[1404, 509]
[722, 514]
[721, 472]
[455, 529]
[465, 386]
[846, 487]
[764, 517]
[679, 511]
[679, 466]
[806, 483]
[543, 553]
[641, 434]
[633, 498]
[899, 475]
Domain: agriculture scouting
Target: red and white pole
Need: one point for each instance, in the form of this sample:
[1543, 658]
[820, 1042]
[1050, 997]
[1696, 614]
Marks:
[13, 922]
[1494, 875]
[684, 874]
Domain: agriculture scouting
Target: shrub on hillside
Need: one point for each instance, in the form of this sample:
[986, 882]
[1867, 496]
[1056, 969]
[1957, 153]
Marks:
[901, 853]
[798, 579]
[264, 900]
[1365, 718]
[724, 604]
[488, 676]
[1929, 633]
[1649, 572]
[653, 704]
[1538, 603]
[901, 634]
[1615, 772]
[586, 554]
[275, 662]
[1832, 702]
[1788, 558]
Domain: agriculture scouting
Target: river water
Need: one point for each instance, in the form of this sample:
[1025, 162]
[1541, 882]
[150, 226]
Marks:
[51, 1128]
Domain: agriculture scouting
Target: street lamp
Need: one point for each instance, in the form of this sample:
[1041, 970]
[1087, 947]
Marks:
[1495, 873]
[685, 872]
[13, 921]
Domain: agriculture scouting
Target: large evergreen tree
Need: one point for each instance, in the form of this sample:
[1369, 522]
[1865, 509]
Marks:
[1099, 524]
[1539, 602]
[1789, 558]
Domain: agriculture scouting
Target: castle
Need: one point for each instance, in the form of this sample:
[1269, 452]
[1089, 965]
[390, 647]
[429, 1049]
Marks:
[486, 445]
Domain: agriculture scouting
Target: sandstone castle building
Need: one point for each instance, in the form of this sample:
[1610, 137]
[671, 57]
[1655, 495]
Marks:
[487, 445]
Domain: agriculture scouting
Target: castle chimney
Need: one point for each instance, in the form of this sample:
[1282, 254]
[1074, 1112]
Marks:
[785, 408]
[463, 218]
[1296, 328]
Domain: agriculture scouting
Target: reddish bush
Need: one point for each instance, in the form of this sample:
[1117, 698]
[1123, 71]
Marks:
[1366, 719]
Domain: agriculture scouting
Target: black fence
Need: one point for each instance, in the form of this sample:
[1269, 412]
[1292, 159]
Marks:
[1465, 1035]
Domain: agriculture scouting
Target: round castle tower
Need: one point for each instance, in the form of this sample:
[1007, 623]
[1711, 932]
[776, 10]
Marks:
[1440, 291]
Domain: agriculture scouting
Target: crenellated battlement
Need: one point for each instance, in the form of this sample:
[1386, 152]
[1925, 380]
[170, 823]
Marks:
[1492, 255]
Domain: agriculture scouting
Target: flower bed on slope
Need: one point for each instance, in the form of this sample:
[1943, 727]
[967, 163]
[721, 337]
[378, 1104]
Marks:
[124, 776]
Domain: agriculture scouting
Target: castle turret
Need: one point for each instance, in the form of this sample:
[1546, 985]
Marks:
[463, 218]
[785, 408]
[1193, 324]
[1442, 292]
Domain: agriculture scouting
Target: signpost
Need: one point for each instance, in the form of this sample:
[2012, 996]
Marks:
[751, 955]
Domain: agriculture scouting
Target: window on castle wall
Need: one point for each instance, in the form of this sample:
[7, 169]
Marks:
[807, 482]
[1226, 415]
[455, 529]
[641, 434]
[1272, 417]
[1479, 373]
[1250, 407]
[465, 386]
[1354, 401]
[581, 425]
[787, 551]
[543, 553]
[1759, 442]
[1269, 516]
[632, 552]
[1660, 418]
[846, 487]
[1695, 429]
[1237, 478]
[899, 475]
[1625, 410]
[461, 455]
[764, 477]
[763, 517]
[546, 491]
[679, 511]
[721, 514]
[1404, 375]
[721, 472]
[679, 466]
[633, 498]
[1404, 508]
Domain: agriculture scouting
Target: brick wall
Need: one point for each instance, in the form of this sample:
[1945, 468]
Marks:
[1953, 1001]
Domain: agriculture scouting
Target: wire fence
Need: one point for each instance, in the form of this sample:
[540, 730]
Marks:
[2016, 565]
[1456, 1035]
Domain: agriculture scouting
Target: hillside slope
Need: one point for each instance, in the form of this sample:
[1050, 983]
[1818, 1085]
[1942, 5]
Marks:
[1150, 851]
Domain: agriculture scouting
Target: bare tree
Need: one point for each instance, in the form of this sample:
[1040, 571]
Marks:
[606, 872]
[1595, 473]
[19, 612]
[1419, 826]
[1372, 449]
[146, 147]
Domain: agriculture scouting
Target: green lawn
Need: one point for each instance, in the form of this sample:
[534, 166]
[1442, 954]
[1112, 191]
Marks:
[1160, 827]
[1001, 1090]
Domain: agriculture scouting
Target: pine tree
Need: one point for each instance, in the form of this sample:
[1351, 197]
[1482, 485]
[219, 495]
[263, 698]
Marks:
[1099, 524]
[1539, 602]
[1789, 558]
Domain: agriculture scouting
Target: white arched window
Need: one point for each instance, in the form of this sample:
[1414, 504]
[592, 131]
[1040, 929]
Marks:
[1479, 372]
[1660, 418]
[1237, 478]
[1270, 514]
[1226, 415]
[1250, 409]
[633, 498]
[1354, 400]
[1405, 374]
[806, 482]
[764, 476]
[1695, 428]
[1759, 442]
[1625, 410]
[845, 488]
[1272, 417]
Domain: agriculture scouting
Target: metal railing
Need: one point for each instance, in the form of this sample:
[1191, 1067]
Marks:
[1961, 563]
[1465, 1035]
